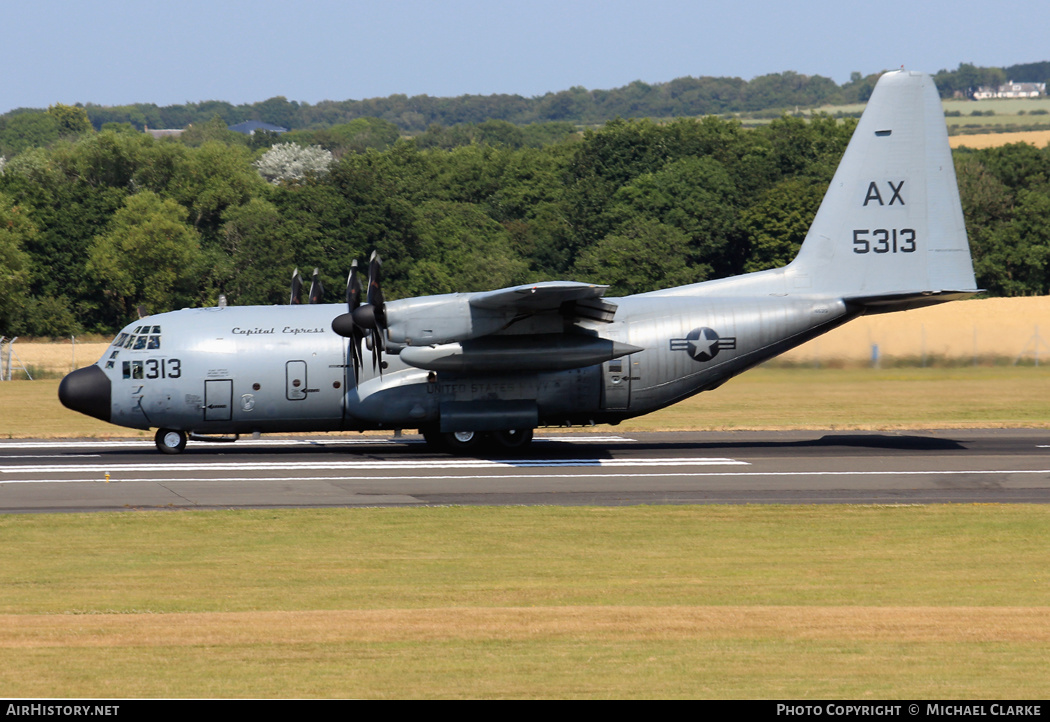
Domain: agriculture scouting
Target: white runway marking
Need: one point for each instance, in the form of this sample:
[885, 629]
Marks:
[395, 464]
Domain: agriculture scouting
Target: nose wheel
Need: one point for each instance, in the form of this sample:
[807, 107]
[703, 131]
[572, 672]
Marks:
[170, 441]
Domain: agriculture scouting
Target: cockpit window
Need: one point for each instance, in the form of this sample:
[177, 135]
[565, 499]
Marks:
[119, 343]
[154, 341]
[156, 329]
[140, 342]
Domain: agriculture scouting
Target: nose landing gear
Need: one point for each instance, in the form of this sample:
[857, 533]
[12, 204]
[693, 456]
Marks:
[170, 441]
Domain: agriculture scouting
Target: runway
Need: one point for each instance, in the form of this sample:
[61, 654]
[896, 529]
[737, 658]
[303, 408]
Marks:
[805, 467]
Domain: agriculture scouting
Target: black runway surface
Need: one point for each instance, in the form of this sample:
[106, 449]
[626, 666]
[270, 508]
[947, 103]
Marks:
[761, 467]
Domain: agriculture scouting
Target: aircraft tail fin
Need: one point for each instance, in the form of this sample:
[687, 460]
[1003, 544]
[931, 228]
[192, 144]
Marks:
[889, 233]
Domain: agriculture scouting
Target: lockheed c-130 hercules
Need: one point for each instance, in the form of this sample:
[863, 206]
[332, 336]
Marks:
[490, 367]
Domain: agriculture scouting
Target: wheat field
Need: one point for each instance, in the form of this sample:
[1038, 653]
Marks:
[1038, 138]
[982, 330]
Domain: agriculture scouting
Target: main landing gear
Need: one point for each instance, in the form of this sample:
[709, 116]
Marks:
[472, 442]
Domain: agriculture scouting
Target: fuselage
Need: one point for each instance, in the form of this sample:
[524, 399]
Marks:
[237, 370]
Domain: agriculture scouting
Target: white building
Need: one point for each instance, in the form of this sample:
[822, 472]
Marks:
[1011, 90]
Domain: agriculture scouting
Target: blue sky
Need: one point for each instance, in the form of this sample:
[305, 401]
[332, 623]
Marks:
[111, 52]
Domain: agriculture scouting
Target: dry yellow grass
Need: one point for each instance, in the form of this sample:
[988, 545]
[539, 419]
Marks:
[1038, 138]
[987, 328]
[894, 623]
[56, 358]
[608, 652]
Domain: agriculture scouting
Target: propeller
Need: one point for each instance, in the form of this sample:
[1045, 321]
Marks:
[364, 320]
[316, 287]
[371, 315]
[297, 287]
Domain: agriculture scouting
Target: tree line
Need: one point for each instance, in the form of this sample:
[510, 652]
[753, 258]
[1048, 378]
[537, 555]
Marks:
[98, 223]
[686, 96]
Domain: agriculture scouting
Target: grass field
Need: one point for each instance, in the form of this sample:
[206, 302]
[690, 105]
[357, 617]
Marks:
[866, 602]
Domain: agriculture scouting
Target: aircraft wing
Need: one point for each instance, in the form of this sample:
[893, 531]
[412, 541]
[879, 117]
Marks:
[534, 297]
[528, 326]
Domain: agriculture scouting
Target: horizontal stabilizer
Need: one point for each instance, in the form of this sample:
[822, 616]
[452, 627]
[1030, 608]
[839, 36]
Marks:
[906, 301]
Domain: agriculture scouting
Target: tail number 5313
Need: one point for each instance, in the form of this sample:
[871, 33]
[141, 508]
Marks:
[882, 240]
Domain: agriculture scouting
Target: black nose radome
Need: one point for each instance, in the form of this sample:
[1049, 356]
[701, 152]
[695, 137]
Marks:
[86, 390]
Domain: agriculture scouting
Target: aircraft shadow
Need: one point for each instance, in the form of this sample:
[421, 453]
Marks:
[559, 449]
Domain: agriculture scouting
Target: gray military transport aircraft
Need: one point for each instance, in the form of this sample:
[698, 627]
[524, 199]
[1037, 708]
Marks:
[487, 368]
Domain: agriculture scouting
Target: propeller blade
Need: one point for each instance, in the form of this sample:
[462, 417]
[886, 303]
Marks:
[373, 314]
[297, 287]
[316, 287]
[346, 325]
[375, 293]
[353, 288]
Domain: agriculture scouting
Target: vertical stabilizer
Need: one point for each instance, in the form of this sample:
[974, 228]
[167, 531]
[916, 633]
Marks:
[891, 224]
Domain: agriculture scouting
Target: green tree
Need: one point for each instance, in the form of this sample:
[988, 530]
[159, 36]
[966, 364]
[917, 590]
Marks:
[1014, 257]
[776, 225]
[15, 231]
[71, 119]
[260, 252]
[644, 255]
[212, 131]
[695, 195]
[149, 255]
[464, 246]
[210, 179]
[21, 131]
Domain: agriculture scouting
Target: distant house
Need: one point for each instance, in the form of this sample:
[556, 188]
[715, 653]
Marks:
[1011, 90]
[249, 127]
